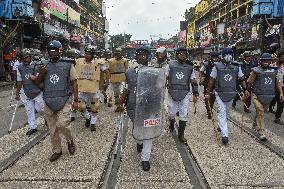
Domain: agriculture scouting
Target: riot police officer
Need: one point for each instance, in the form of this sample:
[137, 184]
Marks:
[59, 83]
[147, 125]
[223, 79]
[31, 96]
[263, 83]
[179, 77]
[205, 72]
[246, 67]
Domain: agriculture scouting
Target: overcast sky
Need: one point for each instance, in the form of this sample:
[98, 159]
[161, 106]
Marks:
[143, 18]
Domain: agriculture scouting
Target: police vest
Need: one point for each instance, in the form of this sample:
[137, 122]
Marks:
[226, 81]
[57, 85]
[179, 80]
[31, 90]
[88, 76]
[264, 84]
[131, 77]
[117, 70]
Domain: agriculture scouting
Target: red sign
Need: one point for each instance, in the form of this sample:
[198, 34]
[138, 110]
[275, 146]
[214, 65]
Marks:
[152, 122]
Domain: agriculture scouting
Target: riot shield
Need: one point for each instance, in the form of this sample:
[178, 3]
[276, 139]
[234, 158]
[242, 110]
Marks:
[150, 91]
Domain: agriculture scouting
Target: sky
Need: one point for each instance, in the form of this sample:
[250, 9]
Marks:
[146, 18]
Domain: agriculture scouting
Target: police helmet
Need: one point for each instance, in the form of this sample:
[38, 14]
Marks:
[227, 51]
[90, 49]
[214, 53]
[266, 56]
[54, 45]
[181, 49]
[143, 49]
[25, 52]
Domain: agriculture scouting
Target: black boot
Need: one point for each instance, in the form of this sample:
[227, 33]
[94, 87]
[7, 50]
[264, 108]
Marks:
[93, 127]
[139, 147]
[88, 123]
[209, 115]
[181, 129]
[146, 165]
[172, 125]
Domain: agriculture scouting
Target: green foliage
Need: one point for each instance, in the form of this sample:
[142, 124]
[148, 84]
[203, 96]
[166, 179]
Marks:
[119, 40]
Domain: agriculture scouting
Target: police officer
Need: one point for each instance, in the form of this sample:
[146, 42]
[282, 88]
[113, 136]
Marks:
[224, 77]
[280, 105]
[246, 69]
[59, 83]
[144, 145]
[31, 96]
[89, 73]
[105, 75]
[205, 72]
[263, 83]
[117, 68]
[161, 58]
[179, 77]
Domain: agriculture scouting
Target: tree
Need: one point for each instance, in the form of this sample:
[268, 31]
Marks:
[189, 14]
[119, 40]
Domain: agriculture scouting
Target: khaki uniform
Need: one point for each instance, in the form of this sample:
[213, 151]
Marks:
[117, 70]
[260, 108]
[57, 122]
[89, 82]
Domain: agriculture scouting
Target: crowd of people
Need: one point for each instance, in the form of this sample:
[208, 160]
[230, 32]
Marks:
[145, 89]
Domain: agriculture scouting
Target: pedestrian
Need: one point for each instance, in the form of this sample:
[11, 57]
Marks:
[59, 83]
[205, 72]
[144, 98]
[117, 67]
[223, 79]
[263, 83]
[27, 90]
[89, 76]
[246, 67]
[180, 76]
[280, 105]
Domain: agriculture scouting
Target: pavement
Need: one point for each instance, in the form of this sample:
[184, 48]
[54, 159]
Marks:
[245, 163]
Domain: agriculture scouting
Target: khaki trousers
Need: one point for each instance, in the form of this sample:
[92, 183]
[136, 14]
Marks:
[57, 122]
[260, 109]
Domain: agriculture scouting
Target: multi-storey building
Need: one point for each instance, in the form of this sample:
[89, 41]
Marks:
[219, 23]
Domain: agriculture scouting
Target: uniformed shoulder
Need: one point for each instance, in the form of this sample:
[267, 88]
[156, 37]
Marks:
[273, 67]
[44, 62]
[189, 62]
[67, 60]
[130, 71]
[206, 64]
[236, 63]
[172, 63]
[256, 69]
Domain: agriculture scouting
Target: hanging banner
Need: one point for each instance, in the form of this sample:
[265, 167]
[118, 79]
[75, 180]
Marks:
[73, 16]
[56, 8]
